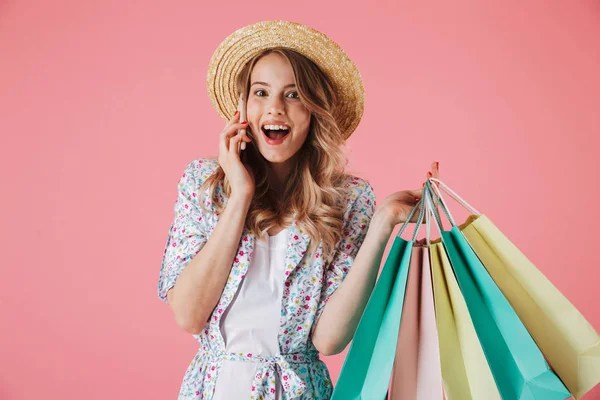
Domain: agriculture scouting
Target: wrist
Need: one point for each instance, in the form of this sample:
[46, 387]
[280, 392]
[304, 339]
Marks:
[240, 199]
[382, 223]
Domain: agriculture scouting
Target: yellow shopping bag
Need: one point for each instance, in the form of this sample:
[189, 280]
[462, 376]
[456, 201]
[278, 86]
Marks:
[465, 371]
[568, 341]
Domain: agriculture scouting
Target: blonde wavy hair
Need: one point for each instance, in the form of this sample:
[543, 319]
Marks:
[314, 191]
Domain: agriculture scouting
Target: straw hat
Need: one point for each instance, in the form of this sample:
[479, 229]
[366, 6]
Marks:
[239, 47]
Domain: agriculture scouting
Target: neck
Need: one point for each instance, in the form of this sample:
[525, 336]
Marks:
[278, 174]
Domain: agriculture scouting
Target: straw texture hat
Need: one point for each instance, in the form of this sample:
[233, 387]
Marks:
[239, 47]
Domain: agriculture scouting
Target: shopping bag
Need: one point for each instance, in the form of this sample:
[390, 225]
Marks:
[568, 341]
[465, 372]
[516, 362]
[367, 369]
[417, 372]
[368, 366]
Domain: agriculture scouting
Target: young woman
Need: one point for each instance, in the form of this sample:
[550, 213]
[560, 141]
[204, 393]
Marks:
[274, 249]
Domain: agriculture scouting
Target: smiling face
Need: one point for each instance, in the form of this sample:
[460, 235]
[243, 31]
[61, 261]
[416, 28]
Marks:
[277, 117]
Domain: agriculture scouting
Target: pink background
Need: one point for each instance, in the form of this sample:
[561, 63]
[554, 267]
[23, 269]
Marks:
[102, 106]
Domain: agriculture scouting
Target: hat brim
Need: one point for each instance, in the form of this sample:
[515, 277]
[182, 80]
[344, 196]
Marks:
[239, 47]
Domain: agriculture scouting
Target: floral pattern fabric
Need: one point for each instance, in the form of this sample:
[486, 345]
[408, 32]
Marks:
[308, 285]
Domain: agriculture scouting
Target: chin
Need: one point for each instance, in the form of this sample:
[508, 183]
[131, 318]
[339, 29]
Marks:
[276, 158]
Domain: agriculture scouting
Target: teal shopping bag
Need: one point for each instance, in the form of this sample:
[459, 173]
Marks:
[367, 369]
[517, 364]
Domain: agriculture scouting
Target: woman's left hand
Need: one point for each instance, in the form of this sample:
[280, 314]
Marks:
[396, 208]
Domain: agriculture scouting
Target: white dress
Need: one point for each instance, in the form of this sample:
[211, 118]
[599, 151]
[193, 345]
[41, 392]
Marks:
[251, 322]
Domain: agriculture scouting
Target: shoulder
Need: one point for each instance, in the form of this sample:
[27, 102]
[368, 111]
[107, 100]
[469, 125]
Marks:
[200, 169]
[359, 190]
[195, 175]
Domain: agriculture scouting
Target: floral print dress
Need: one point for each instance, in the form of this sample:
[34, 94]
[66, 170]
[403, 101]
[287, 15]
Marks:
[308, 285]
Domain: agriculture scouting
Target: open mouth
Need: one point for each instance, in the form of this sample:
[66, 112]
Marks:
[275, 132]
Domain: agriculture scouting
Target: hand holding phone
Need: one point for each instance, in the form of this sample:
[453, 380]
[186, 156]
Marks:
[241, 177]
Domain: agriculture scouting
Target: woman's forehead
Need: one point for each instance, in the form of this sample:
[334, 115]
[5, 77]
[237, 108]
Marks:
[273, 70]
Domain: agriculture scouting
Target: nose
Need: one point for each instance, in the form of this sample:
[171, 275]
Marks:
[276, 106]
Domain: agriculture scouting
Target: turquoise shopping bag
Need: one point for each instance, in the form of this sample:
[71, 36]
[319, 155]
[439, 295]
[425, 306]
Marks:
[367, 369]
[517, 364]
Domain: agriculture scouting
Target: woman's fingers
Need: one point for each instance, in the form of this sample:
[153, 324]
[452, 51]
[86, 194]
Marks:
[435, 171]
[417, 194]
[228, 132]
[435, 168]
[245, 139]
[235, 142]
[233, 119]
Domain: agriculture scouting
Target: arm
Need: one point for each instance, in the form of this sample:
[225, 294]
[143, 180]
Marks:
[193, 288]
[340, 317]
[200, 285]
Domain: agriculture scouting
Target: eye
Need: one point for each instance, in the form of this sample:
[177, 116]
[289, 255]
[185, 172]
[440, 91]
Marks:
[293, 95]
[259, 93]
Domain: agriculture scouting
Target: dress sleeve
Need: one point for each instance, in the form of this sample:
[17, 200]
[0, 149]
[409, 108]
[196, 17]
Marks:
[353, 235]
[187, 234]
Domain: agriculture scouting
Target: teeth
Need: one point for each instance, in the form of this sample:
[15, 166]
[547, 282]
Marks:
[276, 127]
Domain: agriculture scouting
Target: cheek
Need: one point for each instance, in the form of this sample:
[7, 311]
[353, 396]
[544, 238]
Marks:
[252, 110]
[301, 118]
[305, 126]
[253, 114]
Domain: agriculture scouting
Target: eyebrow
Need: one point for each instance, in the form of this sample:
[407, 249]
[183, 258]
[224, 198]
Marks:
[266, 84]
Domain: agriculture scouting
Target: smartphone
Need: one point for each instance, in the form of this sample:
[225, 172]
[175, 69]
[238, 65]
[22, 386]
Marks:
[242, 111]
